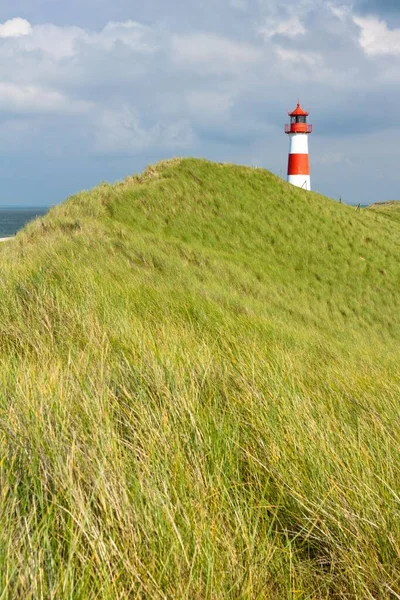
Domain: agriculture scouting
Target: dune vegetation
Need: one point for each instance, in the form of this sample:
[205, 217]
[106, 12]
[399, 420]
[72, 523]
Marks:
[388, 209]
[199, 393]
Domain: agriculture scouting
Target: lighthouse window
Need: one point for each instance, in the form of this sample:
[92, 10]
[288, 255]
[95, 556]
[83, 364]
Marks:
[298, 119]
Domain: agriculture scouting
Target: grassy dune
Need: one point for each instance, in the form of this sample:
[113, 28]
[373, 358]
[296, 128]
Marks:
[199, 394]
[388, 209]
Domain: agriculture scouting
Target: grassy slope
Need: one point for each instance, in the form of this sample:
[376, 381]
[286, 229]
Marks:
[199, 393]
[388, 209]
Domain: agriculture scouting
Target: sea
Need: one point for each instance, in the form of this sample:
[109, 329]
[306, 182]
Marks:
[14, 219]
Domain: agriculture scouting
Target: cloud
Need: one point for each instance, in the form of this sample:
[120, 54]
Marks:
[340, 11]
[376, 38]
[57, 42]
[204, 82]
[15, 28]
[213, 54]
[131, 34]
[65, 42]
[333, 158]
[120, 131]
[35, 99]
[241, 5]
[289, 27]
[301, 58]
[209, 103]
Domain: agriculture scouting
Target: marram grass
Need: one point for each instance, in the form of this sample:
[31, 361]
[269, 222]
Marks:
[199, 394]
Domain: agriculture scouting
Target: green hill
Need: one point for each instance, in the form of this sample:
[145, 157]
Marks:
[389, 209]
[200, 393]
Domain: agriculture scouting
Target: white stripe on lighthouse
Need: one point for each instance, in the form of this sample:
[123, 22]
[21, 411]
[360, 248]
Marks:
[298, 143]
[301, 181]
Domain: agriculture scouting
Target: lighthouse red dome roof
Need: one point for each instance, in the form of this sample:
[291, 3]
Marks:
[298, 112]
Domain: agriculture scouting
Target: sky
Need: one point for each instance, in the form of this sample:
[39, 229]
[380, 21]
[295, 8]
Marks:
[95, 90]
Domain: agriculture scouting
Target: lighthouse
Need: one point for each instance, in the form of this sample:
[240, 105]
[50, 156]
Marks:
[298, 165]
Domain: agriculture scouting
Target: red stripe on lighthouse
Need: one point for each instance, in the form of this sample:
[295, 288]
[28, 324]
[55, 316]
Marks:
[298, 164]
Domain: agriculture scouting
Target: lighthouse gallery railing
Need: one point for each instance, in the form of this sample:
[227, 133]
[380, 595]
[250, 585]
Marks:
[294, 128]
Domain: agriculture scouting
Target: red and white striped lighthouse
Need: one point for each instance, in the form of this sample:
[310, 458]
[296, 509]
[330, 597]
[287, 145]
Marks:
[298, 165]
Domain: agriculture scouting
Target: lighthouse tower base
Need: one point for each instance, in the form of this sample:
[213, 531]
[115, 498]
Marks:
[298, 165]
[301, 181]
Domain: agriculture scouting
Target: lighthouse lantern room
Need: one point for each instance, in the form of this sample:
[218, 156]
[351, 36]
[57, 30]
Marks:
[298, 165]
